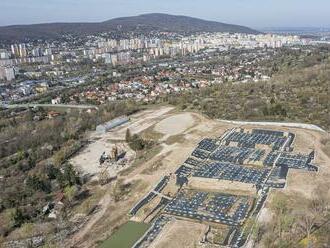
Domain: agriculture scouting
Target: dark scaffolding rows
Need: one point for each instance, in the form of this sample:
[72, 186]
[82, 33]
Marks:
[260, 157]
[212, 207]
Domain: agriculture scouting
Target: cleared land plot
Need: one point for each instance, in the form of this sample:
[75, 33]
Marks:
[176, 124]
[139, 122]
[180, 233]
[88, 159]
[215, 185]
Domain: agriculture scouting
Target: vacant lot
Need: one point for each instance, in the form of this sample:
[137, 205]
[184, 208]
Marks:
[176, 124]
[87, 161]
[180, 233]
[215, 185]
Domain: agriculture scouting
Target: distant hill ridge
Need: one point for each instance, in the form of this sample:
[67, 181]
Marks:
[142, 23]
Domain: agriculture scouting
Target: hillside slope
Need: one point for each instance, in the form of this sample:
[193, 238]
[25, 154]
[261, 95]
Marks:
[142, 23]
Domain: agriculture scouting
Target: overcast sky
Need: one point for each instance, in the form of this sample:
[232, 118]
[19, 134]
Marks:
[253, 13]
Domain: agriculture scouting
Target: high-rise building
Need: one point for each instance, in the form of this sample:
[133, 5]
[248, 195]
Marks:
[36, 52]
[48, 52]
[107, 58]
[4, 54]
[124, 44]
[114, 59]
[10, 73]
[7, 73]
[22, 50]
[15, 50]
[2, 73]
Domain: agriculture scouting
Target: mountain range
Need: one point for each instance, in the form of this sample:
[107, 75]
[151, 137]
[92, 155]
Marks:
[142, 23]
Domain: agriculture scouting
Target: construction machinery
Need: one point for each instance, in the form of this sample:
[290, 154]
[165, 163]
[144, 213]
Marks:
[106, 161]
[115, 155]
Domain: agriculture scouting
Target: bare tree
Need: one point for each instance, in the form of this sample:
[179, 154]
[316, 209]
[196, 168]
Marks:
[314, 213]
[306, 222]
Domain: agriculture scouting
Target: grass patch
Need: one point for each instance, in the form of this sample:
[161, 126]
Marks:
[179, 138]
[156, 165]
[219, 235]
[89, 203]
[151, 134]
[28, 230]
[126, 235]
[142, 157]
[121, 190]
[152, 168]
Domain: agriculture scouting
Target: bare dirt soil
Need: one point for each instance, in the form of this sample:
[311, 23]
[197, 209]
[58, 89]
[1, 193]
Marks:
[87, 161]
[139, 122]
[175, 234]
[176, 124]
[215, 185]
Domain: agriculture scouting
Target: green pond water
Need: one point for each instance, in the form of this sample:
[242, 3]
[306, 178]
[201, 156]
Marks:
[126, 235]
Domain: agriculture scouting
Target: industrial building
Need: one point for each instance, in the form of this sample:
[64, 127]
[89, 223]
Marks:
[105, 127]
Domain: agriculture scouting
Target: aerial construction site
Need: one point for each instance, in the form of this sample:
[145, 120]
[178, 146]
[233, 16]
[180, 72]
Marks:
[244, 164]
[207, 183]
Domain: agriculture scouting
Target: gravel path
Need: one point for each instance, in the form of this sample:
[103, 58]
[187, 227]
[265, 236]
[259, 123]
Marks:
[278, 124]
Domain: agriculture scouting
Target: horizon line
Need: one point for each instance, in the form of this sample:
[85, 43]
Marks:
[164, 13]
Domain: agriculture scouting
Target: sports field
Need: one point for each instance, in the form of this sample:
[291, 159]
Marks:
[126, 235]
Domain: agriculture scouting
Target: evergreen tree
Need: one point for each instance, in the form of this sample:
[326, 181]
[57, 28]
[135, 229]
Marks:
[128, 135]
